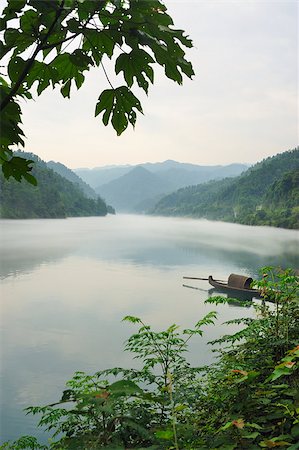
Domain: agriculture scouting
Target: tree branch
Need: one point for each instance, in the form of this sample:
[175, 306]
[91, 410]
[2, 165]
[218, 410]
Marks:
[30, 61]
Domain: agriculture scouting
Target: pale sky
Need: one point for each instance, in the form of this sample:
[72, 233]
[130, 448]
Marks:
[241, 106]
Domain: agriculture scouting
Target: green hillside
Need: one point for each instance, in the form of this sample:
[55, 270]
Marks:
[138, 188]
[266, 194]
[67, 173]
[53, 197]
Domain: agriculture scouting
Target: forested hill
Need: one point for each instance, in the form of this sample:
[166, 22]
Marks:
[53, 197]
[135, 189]
[67, 173]
[266, 194]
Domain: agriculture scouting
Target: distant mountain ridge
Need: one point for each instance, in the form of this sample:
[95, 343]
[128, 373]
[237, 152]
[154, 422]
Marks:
[127, 192]
[130, 190]
[266, 194]
[101, 175]
[98, 176]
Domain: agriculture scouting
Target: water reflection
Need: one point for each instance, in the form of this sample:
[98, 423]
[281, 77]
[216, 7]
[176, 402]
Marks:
[244, 300]
[26, 244]
[66, 285]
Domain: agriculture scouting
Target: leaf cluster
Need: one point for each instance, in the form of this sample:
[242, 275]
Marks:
[54, 43]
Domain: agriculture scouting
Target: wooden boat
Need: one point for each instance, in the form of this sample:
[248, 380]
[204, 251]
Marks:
[236, 285]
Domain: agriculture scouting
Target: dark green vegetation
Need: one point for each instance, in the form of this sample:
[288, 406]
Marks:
[139, 188]
[35, 40]
[247, 399]
[266, 194]
[65, 172]
[53, 197]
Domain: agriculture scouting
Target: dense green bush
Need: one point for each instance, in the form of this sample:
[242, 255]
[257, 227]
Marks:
[247, 399]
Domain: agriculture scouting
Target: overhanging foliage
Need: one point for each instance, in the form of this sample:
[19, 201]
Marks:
[54, 43]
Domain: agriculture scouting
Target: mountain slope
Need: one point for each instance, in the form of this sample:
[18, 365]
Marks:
[176, 173]
[133, 188]
[167, 176]
[67, 173]
[185, 174]
[244, 199]
[102, 175]
[53, 197]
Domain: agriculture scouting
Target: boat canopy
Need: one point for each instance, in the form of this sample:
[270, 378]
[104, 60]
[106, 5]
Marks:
[239, 281]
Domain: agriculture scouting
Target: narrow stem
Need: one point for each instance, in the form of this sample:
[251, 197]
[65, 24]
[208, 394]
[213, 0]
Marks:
[157, 349]
[175, 437]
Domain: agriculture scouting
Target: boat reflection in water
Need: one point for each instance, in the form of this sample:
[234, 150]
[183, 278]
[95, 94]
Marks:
[245, 300]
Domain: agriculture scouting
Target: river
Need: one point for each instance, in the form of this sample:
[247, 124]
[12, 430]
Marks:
[66, 285]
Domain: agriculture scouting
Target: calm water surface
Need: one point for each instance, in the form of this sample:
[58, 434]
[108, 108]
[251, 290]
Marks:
[67, 284]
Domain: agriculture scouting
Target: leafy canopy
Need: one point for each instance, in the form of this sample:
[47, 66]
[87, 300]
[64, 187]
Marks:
[53, 43]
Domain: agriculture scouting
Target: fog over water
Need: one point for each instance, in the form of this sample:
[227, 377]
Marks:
[66, 285]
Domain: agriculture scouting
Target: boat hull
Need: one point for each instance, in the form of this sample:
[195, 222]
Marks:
[235, 292]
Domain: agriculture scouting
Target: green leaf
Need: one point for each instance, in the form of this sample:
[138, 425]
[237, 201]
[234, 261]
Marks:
[29, 22]
[131, 319]
[118, 104]
[105, 103]
[99, 43]
[119, 120]
[252, 435]
[17, 168]
[11, 37]
[125, 387]
[284, 369]
[66, 88]
[134, 65]
[85, 8]
[30, 178]
[68, 65]
[80, 59]
[73, 25]
[164, 434]
[226, 426]
[55, 40]
[172, 328]
[15, 68]
[179, 408]
[208, 319]
[79, 80]
[44, 74]
[250, 376]
[254, 425]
